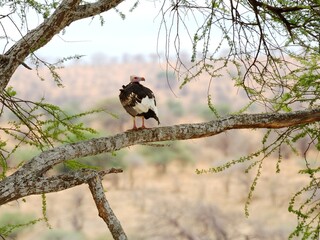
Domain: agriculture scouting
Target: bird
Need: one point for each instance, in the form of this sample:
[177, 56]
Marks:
[138, 100]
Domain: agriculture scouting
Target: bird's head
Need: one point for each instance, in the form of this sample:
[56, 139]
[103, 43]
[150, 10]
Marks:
[134, 78]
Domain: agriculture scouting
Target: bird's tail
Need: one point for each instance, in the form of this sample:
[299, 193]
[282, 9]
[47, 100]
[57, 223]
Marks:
[156, 118]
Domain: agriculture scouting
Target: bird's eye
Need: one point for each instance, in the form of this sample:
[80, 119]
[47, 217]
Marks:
[135, 78]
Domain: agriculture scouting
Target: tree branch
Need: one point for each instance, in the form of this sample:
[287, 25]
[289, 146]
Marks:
[93, 179]
[92, 9]
[104, 209]
[37, 166]
[68, 180]
[35, 39]
[5, 57]
[283, 9]
[278, 12]
[58, 182]
[67, 12]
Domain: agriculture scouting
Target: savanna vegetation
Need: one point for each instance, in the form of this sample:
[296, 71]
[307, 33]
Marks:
[269, 50]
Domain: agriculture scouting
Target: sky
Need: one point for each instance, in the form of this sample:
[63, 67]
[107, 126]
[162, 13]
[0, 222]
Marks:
[134, 35]
[137, 34]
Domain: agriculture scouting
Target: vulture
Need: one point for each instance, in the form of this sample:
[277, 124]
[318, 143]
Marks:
[138, 100]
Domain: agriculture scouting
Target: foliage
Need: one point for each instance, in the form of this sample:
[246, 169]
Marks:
[12, 223]
[103, 161]
[273, 51]
[304, 203]
[273, 47]
[52, 67]
[37, 124]
[22, 7]
[44, 210]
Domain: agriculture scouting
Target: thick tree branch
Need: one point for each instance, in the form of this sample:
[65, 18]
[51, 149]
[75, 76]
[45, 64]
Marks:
[282, 9]
[5, 57]
[104, 209]
[35, 39]
[67, 12]
[92, 9]
[37, 166]
[65, 181]
[58, 182]
[93, 179]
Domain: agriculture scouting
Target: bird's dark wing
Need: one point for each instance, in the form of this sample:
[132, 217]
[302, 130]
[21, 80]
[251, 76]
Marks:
[133, 93]
[138, 100]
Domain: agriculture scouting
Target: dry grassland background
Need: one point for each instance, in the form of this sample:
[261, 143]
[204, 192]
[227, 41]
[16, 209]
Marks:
[159, 195]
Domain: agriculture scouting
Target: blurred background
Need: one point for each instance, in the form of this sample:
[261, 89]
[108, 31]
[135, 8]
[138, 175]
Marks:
[159, 195]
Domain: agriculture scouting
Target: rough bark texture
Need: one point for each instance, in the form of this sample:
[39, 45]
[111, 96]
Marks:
[23, 181]
[30, 178]
[104, 209]
[67, 12]
[61, 182]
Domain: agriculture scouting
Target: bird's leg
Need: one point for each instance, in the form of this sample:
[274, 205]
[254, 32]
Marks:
[134, 123]
[143, 126]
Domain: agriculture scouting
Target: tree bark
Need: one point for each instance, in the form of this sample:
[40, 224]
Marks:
[30, 178]
[104, 209]
[22, 182]
[67, 12]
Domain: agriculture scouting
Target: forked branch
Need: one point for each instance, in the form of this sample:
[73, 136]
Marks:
[30, 178]
[18, 184]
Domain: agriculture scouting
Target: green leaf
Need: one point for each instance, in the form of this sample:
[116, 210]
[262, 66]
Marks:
[11, 92]
[76, 165]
